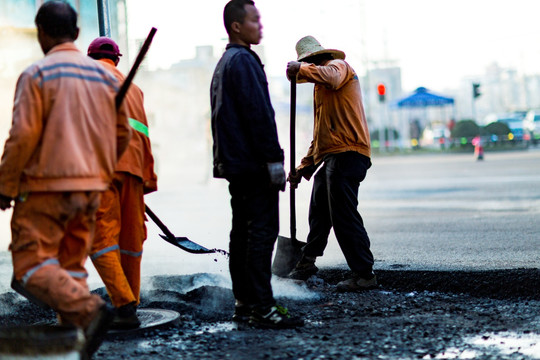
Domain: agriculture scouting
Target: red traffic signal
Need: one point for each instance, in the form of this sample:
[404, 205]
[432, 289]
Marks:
[381, 90]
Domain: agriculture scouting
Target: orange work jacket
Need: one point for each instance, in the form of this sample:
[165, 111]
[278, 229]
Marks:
[66, 133]
[340, 122]
[137, 159]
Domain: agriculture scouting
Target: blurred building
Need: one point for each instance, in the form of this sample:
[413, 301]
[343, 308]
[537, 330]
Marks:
[378, 112]
[177, 101]
[17, 18]
[503, 90]
[531, 91]
[390, 77]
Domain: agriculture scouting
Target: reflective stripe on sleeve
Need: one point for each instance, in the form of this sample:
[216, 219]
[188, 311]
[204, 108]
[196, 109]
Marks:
[131, 253]
[78, 274]
[139, 126]
[95, 255]
[37, 267]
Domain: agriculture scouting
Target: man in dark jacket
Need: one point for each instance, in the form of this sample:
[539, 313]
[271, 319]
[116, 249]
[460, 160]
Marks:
[247, 153]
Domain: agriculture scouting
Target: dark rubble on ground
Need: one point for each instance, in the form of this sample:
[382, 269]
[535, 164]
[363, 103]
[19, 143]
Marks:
[413, 314]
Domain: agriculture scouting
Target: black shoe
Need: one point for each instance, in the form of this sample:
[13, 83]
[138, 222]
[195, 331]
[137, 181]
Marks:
[277, 317]
[357, 283]
[96, 331]
[304, 269]
[126, 317]
[241, 314]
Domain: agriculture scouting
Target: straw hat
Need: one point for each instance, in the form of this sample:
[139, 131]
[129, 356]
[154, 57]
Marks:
[309, 46]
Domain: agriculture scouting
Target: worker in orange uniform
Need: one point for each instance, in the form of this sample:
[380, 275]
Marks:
[120, 230]
[65, 140]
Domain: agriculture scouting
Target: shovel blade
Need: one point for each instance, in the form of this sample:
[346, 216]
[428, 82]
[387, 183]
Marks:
[185, 244]
[288, 253]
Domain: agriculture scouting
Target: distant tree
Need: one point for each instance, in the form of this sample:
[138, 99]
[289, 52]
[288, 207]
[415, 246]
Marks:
[465, 128]
[375, 134]
[497, 128]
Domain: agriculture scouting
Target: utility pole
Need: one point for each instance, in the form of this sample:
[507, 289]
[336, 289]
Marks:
[104, 18]
[365, 59]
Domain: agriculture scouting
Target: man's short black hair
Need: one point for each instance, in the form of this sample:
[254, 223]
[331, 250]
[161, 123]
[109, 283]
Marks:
[57, 19]
[235, 11]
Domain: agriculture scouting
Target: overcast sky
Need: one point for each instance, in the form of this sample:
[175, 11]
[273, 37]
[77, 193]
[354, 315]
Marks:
[435, 42]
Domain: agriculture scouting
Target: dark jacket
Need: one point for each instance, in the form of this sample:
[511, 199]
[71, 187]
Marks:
[243, 124]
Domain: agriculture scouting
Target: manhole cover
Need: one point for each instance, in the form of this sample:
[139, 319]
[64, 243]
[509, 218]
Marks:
[150, 319]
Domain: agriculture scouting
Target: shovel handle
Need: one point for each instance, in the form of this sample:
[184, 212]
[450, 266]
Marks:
[158, 222]
[292, 140]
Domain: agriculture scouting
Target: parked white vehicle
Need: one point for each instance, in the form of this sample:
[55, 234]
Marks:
[532, 124]
[515, 122]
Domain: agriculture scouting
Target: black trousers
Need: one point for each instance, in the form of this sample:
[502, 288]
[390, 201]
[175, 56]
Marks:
[334, 202]
[255, 227]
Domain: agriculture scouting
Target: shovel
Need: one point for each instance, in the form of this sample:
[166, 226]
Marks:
[182, 242]
[289, 250]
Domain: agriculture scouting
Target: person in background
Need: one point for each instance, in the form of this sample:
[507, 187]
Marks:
[247, 153]
[63, 145]
[120, 227]
[341, 145]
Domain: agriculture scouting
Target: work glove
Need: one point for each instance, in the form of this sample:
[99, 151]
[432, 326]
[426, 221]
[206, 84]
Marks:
[277, 175]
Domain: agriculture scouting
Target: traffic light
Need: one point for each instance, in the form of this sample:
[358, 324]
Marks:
[476, 90]
[381, 90]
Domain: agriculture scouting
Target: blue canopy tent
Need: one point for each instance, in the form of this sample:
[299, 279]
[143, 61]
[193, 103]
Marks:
[422, 99]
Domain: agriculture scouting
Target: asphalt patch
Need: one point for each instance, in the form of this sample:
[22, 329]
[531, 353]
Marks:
[494, 284]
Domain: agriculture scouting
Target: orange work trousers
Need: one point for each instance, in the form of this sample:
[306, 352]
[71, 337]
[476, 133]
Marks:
[51, 236]
[118, 243]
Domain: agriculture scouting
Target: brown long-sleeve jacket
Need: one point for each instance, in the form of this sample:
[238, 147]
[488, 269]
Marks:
[66, 133]
[137, 159]
[340, 122]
